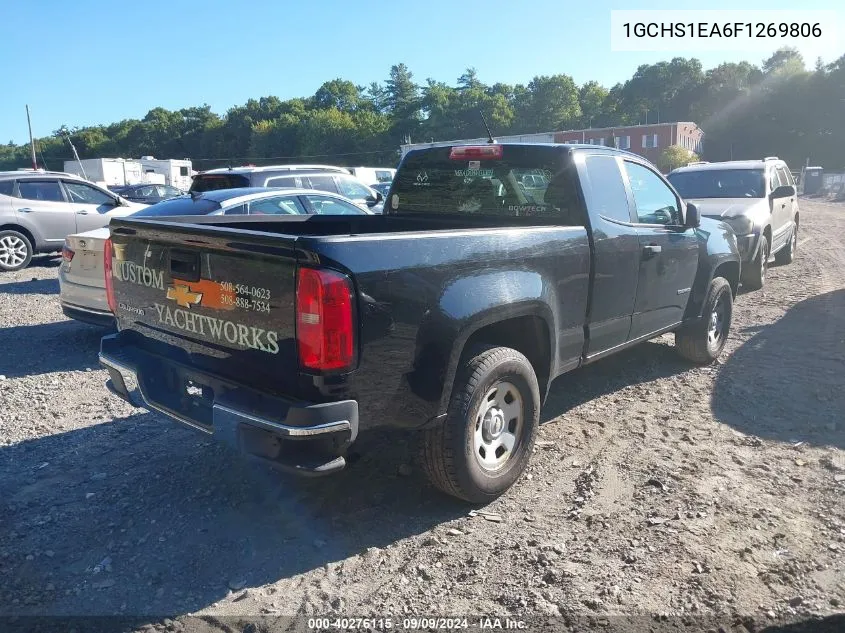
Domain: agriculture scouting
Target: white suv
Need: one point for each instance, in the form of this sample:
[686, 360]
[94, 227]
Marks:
[757, 198]
[38, 209]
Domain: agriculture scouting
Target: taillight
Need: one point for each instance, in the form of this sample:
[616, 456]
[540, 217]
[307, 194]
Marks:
[107, 267]
[324, 334]
[476, 152]
[67, 253]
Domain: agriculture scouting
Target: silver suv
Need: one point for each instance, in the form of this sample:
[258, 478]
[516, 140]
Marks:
[38, 209]
[757, 198]
[336, 180]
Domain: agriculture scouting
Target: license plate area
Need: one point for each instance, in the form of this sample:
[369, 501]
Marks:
[87, 260]
[183, 393]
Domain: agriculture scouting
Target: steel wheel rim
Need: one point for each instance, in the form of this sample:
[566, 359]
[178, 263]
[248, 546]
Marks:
[498, 425]
[716, 330]
[764, 260]
[13, 250]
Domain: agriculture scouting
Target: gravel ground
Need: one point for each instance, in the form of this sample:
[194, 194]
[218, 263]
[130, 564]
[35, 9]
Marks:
[656, 488]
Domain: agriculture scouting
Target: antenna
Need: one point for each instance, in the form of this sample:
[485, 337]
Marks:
[75, 155]
[489, 133]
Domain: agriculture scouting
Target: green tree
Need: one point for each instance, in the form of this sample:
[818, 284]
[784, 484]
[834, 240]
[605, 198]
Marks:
[675, 156]
[784, 61]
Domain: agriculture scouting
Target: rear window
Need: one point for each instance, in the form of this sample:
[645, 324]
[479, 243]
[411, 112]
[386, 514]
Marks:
[213, 182]
[6, 187]
[179, 206]
[524, 181]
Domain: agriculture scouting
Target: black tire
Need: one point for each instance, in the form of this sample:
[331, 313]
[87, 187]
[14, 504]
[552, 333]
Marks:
[448, 452]
[695, 341]
[786, 255]
[15, 250]
[754, 275]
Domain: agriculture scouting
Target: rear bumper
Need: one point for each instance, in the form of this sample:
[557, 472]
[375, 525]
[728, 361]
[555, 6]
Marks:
[299, 437]
[87, 315]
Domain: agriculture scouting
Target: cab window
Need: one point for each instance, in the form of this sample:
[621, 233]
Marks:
[42, 190]
[656, 203]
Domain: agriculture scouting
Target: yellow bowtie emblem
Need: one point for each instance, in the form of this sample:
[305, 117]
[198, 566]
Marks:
[183, 295]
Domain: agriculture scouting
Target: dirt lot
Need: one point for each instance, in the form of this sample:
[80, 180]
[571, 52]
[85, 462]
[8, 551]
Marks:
[656, 488]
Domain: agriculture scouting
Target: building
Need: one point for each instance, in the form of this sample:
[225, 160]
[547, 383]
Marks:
[646, 140]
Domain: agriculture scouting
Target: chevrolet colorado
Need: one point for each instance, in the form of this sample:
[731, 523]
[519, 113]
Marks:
[450, 314]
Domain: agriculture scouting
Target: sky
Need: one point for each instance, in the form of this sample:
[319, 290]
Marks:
[96, 62]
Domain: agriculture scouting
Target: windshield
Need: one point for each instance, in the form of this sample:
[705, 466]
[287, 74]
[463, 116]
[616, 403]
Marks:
[184, 205]
[525, 181]
[212, 182]
[720, 183]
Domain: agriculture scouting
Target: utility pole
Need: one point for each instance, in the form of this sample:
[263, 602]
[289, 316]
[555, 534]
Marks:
[31, 142]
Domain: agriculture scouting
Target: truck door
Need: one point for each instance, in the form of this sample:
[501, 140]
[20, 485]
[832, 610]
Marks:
[616, 254]
[668, 253]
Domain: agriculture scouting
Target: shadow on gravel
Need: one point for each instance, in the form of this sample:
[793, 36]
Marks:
[785, 383]
[642, 363]
[174, 519]
[32, 287]
[30, 350]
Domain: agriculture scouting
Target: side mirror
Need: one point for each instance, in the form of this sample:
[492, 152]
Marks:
[784, 191]
[693, 218]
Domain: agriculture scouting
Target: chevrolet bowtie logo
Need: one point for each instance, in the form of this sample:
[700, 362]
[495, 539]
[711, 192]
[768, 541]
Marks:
[183, 295]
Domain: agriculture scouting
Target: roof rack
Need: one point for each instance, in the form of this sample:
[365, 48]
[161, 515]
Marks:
[771, 158]
[698, 162]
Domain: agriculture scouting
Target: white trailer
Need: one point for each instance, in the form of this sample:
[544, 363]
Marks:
[108, 172]
[177, 173]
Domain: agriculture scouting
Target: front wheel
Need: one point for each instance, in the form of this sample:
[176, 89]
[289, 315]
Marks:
[485, 442]
[703, 341]
[15, 250]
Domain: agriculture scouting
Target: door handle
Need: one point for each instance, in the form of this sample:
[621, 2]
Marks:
[25, 210]
[81, 213]
[651, 250]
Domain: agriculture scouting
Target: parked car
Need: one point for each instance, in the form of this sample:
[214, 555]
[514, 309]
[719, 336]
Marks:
[757, 198]
[39, 209]
[82, 288]
[333, 180]
[147, 193]
[372, 176]
[252, 176]
[483, 298]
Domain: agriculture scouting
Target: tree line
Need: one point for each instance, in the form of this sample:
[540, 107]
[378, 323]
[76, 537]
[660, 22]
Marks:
[746, 111]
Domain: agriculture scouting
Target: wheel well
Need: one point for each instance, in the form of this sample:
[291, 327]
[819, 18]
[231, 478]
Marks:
[768, 233]
[796, 217]
[21, 230]
[730, 271]
[528, 335]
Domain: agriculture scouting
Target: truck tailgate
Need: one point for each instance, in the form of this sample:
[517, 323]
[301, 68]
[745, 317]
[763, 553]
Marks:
[200, 296]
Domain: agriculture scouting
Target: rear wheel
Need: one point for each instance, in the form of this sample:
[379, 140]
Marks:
[485, 442]
[15, 250]
[703, 341]
[787, 254]
[754, 276]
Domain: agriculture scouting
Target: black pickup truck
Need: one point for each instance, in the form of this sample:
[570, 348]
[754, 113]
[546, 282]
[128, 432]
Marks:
[450, 314]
